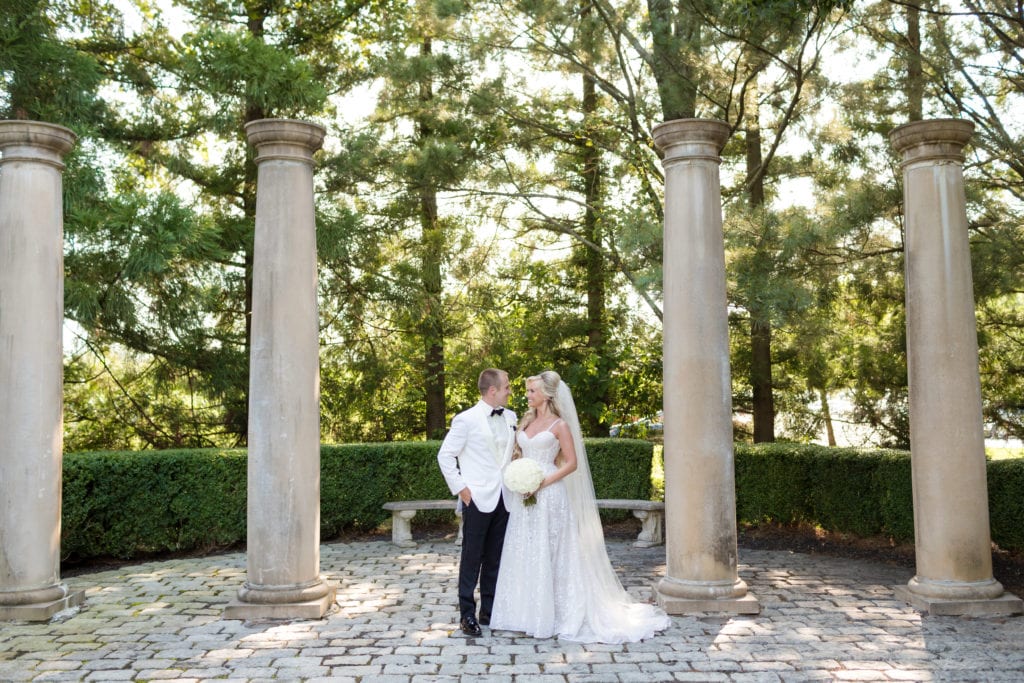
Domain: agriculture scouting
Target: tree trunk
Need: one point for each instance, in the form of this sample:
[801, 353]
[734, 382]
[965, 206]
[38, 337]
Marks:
[915, 72]
[593, 259]
[761, 379]
[827, 416]
[760, 320]
[432, 245]
[237, 410]
[675, 44]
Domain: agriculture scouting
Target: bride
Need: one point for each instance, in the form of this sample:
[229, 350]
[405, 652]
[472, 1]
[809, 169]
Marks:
[555, 578]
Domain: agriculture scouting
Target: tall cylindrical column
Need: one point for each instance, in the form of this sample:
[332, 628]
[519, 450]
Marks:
[31, 368]
[700, 490]
[951, 526]
[283, 541]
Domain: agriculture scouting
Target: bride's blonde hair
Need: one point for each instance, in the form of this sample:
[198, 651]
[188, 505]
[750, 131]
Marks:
[547, 383]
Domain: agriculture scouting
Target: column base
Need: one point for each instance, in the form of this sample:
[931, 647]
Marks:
[311, 609]
[41, 611]
[1003, 605]
[304, 603]
[694, 597]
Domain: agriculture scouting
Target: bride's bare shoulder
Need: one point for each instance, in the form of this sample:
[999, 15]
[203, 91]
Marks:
[560, 428]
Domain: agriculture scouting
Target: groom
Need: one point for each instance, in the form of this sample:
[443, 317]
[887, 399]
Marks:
[471, 457]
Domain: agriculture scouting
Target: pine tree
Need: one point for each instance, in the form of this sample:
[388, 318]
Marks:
[166, 268]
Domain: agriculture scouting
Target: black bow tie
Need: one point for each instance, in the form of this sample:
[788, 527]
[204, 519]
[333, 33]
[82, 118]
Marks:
[497, 411]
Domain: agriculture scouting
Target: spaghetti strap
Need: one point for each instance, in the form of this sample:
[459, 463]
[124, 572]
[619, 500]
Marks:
[552, 425]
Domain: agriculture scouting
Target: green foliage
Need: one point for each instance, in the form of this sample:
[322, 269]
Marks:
[772, 481]
[510, 155]
[862, 492]
[126, 401]
[621, 468]
[357, 479]
[998, 263]
[754, 12]
[1006, 503]
[145, 269]
[893, 493]
[159, 256]
[835, 495]
[42, 76]
[240, 67]
[775, 286]
[128, 504]
[857, 491]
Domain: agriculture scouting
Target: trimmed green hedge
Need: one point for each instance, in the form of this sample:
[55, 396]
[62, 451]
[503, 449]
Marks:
[857, 491]
[127, 504]
[123, 504]
[848, 490]
[1006, 502]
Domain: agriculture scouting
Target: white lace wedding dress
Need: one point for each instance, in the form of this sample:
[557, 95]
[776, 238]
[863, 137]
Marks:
[545, 588]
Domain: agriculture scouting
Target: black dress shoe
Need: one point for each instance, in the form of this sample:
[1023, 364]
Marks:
[470, 626]
[485, 619]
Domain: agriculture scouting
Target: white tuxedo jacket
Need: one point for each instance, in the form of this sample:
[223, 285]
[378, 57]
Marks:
[470, 457]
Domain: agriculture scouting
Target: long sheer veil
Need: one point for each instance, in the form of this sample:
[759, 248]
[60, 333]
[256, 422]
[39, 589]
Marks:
[626, 619]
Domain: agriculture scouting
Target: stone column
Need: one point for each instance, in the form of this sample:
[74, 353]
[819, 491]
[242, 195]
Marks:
[951, 526]
[700, 488]
[283, 537]
[31, 369]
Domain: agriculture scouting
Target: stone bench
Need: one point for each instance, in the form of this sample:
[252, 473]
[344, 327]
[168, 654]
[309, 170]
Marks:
[402, 512]
[651, 514]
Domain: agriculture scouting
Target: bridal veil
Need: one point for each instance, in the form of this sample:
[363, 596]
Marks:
[612, 615]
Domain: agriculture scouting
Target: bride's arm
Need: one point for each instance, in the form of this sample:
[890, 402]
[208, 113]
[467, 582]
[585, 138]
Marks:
[561, 432]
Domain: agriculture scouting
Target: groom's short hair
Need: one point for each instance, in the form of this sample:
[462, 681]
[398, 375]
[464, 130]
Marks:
[491, 377]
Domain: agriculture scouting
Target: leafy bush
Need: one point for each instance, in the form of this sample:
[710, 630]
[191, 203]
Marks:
[129, 503]
[121, 504]
[862, 492]
[1006, 502]
[621, 468]
[772, 484]
[893, 492]
[856, 491]
[357, 479]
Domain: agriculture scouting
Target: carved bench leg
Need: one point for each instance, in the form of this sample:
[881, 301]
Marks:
[401, 528]
[650, 531]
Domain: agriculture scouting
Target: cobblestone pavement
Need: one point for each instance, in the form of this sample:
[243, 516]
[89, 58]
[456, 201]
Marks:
[821, 619]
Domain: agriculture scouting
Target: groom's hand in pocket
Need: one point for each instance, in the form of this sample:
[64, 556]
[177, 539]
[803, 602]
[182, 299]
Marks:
[466, 496]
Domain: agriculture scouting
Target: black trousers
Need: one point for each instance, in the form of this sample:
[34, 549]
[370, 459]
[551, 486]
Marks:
[483, 534]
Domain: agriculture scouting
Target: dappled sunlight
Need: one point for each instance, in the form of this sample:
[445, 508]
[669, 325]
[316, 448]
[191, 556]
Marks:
[817, 610]
[396, 615]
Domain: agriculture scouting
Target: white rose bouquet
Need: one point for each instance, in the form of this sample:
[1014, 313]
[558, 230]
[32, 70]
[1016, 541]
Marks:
[524, 477]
